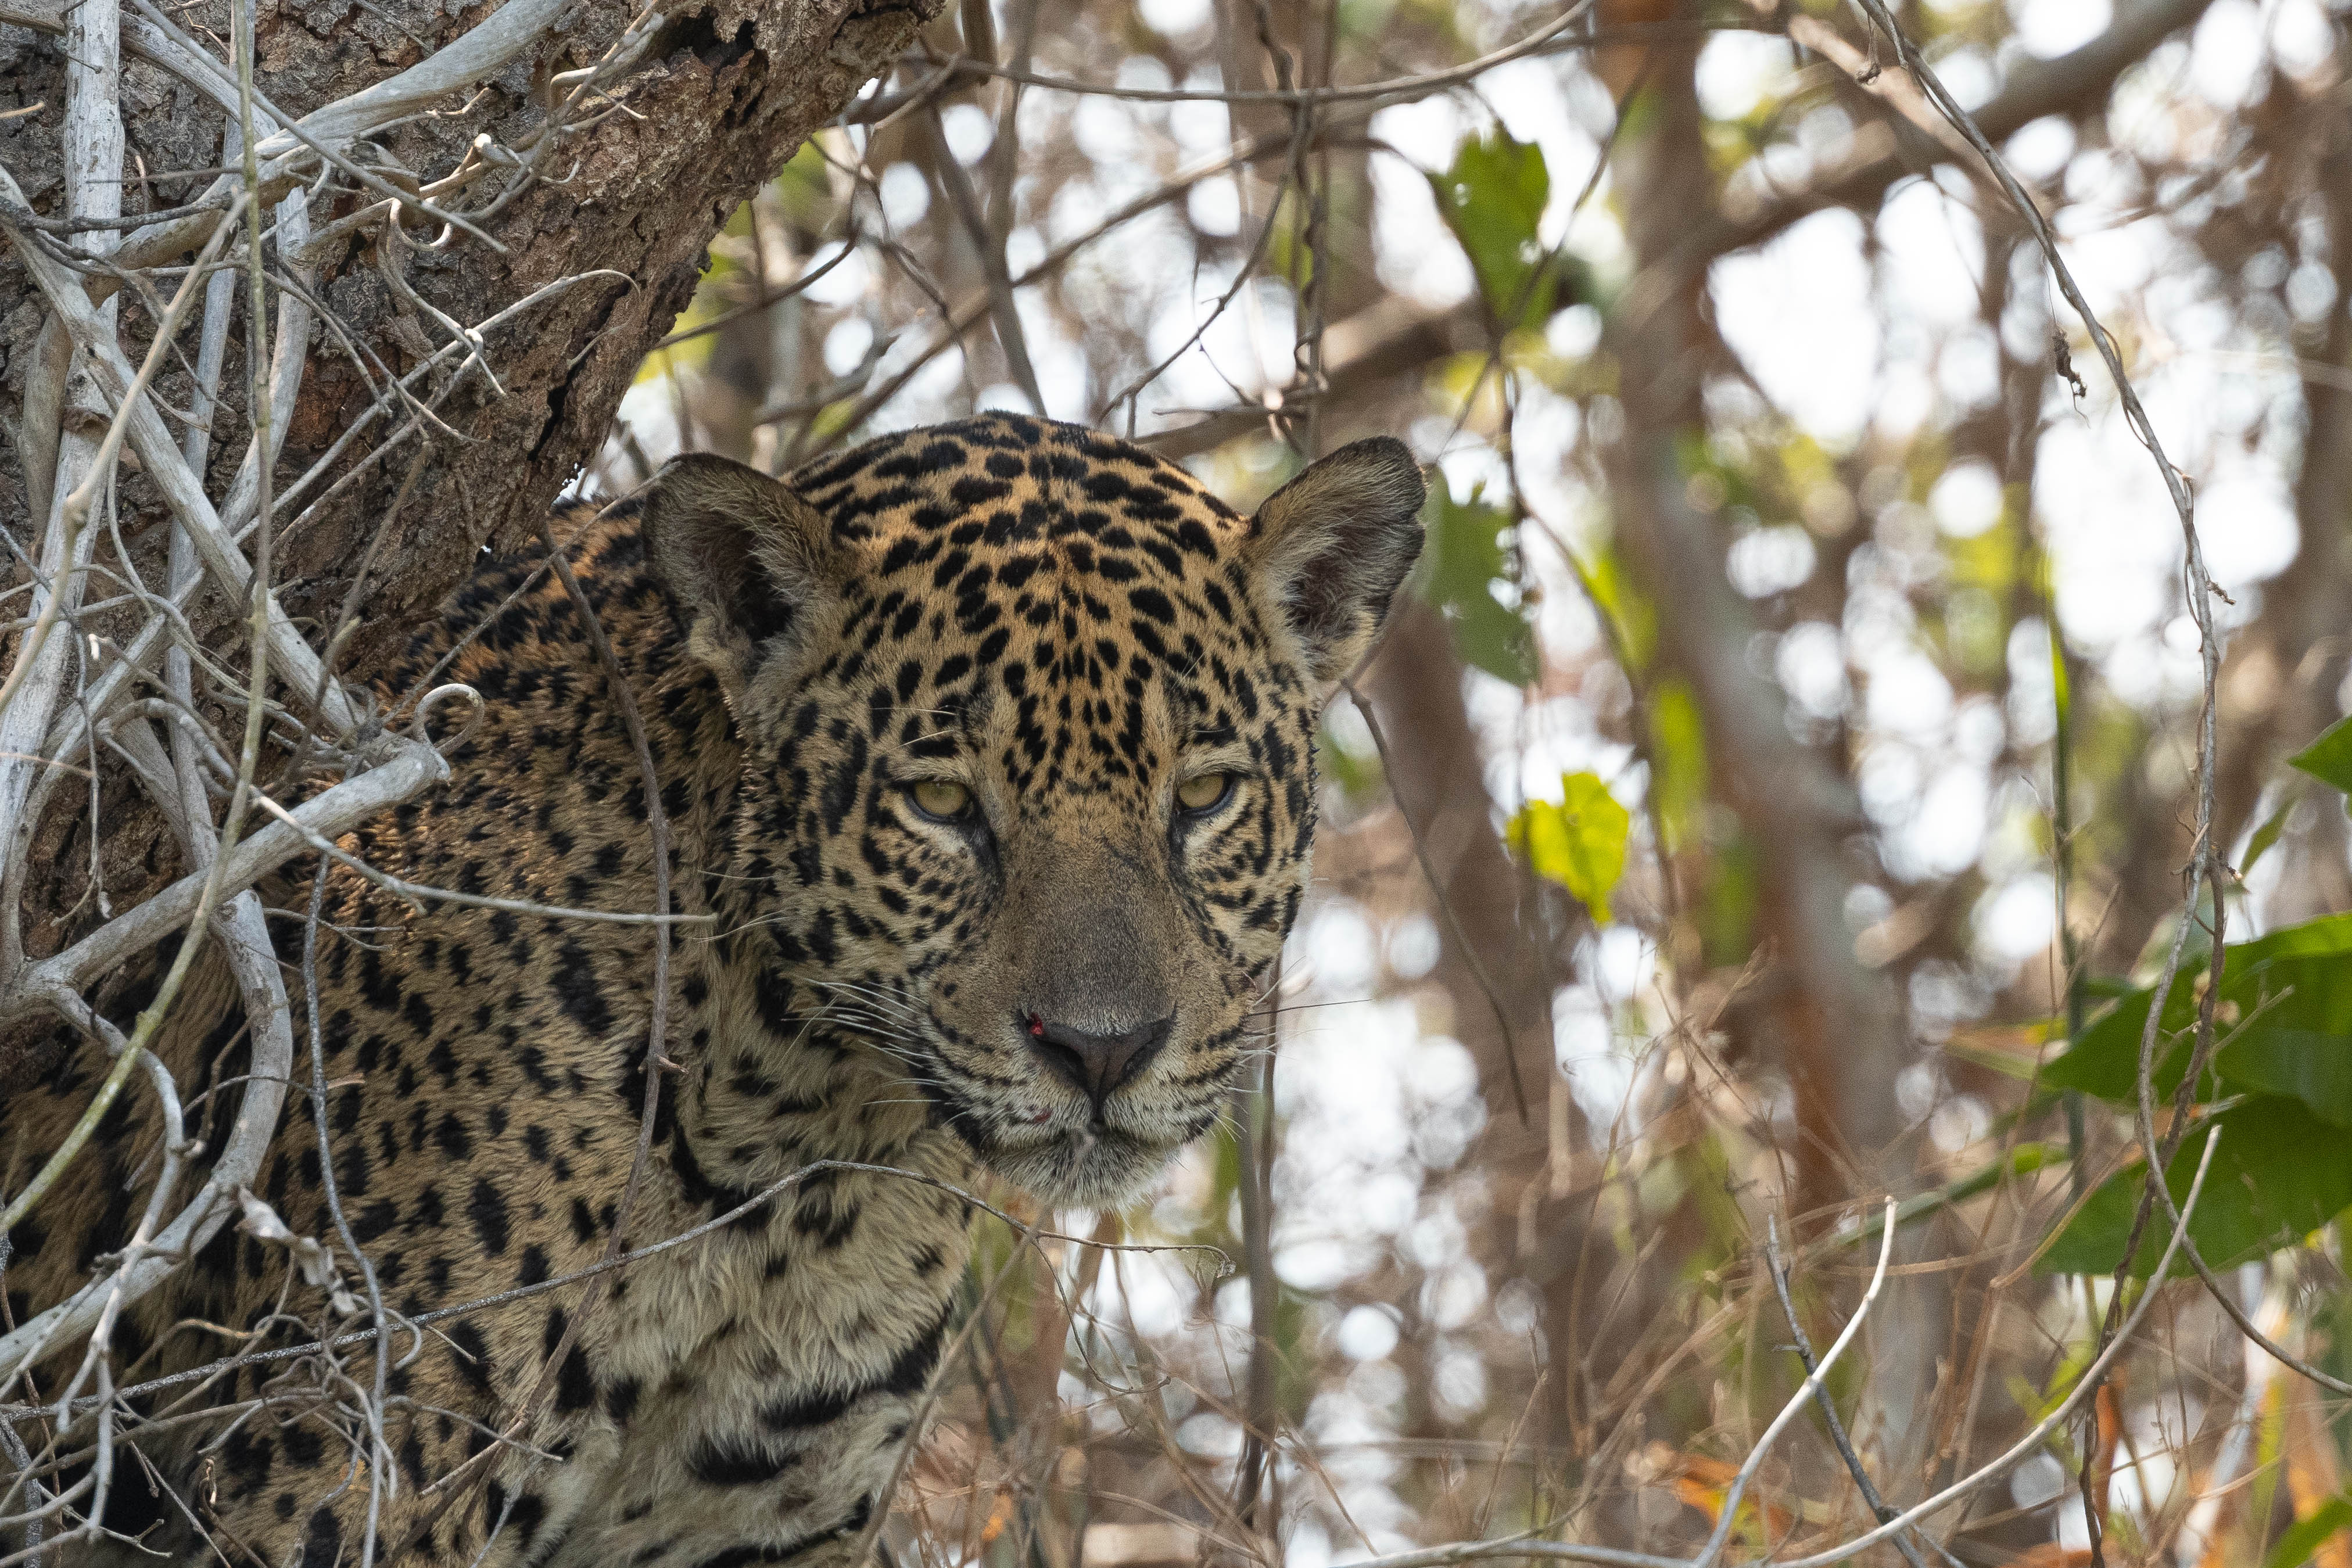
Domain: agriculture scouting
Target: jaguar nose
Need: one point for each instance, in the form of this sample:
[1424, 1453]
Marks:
[1095, 1064]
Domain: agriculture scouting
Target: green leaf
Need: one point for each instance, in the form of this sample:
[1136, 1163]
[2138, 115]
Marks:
[803, 189]
[1493, 199]
[1731, 900]
[2280, 1174]
[2265, 837]
[2329, 759]
[2297, 1546]
[2304, 1064]
[1578, 844]
[2285, 1008]
[1463, 560]
[1493, 638]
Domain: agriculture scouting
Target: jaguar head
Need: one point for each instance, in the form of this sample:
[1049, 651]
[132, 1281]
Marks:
[1029, 720]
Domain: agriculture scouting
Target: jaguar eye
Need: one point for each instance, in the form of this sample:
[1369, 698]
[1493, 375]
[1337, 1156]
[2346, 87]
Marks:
[1203, 791]
[940, 799]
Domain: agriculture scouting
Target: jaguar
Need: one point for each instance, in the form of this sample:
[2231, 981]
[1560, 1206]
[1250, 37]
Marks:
[986, 754]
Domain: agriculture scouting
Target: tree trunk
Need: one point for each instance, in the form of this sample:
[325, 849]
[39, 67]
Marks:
[693, 108]
[1840, 1031]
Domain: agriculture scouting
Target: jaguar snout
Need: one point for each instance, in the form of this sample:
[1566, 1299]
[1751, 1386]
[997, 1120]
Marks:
[1096, 1064]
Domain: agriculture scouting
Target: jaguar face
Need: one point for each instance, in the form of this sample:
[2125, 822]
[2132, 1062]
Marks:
[1029, 718]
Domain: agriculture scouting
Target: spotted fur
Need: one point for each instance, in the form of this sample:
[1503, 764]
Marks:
[1063, 627]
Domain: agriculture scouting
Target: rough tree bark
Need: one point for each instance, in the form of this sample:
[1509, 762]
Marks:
[719, 94]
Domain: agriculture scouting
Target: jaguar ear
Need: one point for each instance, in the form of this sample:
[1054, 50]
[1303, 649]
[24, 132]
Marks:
[1332, 545]
[747, 561]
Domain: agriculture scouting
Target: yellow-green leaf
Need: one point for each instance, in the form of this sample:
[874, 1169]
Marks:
[1578, 844]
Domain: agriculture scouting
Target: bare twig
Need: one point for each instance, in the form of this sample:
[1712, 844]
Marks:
[1799, 1400]
[714, 1224]
[1804, 1348]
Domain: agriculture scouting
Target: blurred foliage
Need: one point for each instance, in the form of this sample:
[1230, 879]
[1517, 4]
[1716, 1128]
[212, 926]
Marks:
[1678, 753]
[1731, 900]
[1354, 769]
